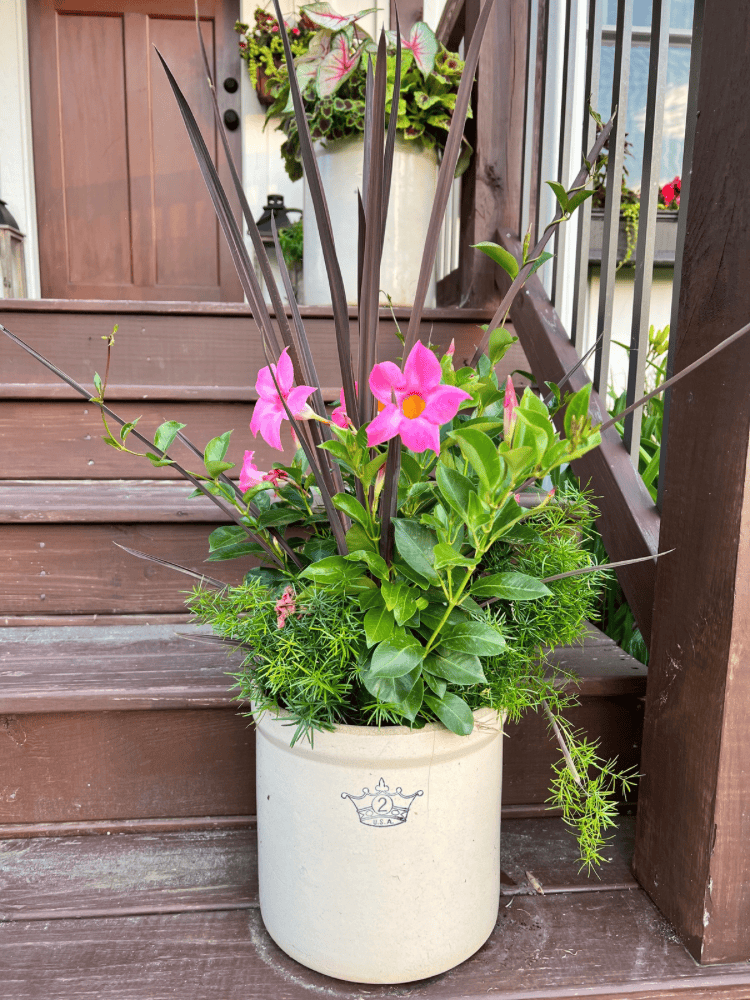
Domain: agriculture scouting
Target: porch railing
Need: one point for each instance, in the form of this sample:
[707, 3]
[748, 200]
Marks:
[532, 124]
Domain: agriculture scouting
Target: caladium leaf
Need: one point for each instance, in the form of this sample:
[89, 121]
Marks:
[423, 45]
[325, 16]
[337, 66]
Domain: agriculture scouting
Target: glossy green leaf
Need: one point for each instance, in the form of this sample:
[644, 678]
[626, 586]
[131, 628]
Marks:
[401, 599]
[454, 667]
[560, 193]
[396, 657]
[446, 555]
[500, 256]
[352, 508]
[500, 341]
[391, 690]
[358, 539]
[453, 712]
[472, 637]
[216, 448]
[332, 571]
[166, 433]
[379, 625]
[454, 488]
[481, 453]
[541, 259]
[510, 587]
[415, 545]
[436, 684]
[412, 703]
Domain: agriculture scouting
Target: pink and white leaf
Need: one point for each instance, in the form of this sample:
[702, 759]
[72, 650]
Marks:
[325, 16]
[423, 45]
[337, 66]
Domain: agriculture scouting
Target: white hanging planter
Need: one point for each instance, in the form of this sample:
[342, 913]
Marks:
[379, 849]
[415, 171]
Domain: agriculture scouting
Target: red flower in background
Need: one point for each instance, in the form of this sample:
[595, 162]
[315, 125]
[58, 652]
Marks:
[670, 193]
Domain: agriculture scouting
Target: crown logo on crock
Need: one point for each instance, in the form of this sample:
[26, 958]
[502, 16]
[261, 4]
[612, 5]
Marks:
[379, 807]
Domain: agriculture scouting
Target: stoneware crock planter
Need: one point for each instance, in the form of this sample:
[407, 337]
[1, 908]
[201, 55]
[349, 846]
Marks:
[379, 849]
[415, 171]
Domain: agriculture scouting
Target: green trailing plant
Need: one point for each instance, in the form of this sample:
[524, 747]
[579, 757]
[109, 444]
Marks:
[331, 67]
[291, 240]
[399, 576]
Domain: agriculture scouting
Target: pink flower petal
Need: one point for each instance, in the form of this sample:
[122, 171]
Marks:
[266, 421]
[422, 370]
[339, 417]
[442, 404]
[384, 379]
[419, 434]
[264, 385]
[298, 397]
[385, 425]
[249, 475]
[285, 372]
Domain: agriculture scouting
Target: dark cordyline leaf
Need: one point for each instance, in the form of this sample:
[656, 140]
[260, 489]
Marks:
[367, 131]
[368, 303]
[336, 282]
[319, 432]
[203, 577]
[528, 268]
[390, 141]
[445, 177]
[252, 228]
[227, 221]
[361, 237]
[230, 512]
[571, 371]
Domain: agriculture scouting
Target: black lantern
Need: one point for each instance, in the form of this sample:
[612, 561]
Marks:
[276, 209]
[12, 263]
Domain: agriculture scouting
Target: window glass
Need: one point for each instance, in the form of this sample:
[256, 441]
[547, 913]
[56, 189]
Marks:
[675, 104]
[681, 15]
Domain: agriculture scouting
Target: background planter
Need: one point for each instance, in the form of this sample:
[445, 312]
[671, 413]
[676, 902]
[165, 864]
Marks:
[666, 238]
[415, 172]
[388, 885]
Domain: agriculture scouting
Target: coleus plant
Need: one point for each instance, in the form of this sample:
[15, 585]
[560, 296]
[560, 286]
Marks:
[332, 78]
[396, 548]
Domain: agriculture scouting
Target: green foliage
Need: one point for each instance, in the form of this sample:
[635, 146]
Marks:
[291, 240]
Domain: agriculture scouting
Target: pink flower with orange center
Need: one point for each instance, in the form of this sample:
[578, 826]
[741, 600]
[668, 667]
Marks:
[269, 410]
[415, 404]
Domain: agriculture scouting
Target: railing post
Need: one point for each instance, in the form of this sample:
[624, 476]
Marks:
[693, 835]
[491, 186]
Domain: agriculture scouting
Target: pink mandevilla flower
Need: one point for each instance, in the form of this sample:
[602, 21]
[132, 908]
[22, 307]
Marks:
[421, 403]
[269, 410]
[510, 405]
[250, 475]
[339, 416]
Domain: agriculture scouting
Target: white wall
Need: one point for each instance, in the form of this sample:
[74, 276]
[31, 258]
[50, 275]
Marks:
[622, 313]
[16, 155]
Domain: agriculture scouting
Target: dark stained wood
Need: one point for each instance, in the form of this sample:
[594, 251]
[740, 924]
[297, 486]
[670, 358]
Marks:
[78, 766]
[68, 442]
[490, 192]
[73, 698]
[450, 29]
[102, 827]
[170, 872]
[409, 11]
[123, 209]
[77, 501]
[171, 351]
[693, 853]
[598, 945]
[73, 569]
[630, 522]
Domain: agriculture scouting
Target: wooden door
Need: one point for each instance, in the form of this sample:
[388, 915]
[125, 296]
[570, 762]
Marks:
[123, 211]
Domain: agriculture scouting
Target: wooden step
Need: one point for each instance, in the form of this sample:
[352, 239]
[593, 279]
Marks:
[146, 917]
[137, 723]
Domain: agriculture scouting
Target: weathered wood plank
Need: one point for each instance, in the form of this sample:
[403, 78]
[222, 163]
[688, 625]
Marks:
[135, 667]
[59, 877]
[630, 521]
[694, 830]
[76, 501]
[172, 353]
[73, 569]
[599, 945]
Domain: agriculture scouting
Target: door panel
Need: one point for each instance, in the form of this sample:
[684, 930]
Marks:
[123, 210]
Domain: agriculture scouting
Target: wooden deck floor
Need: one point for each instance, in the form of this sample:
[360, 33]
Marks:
[164, 915]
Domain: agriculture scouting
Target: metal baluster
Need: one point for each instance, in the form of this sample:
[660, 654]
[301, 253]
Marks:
[528, 114]
[581, 284]
[687, 167]
[644, 256]
[566, 128]
[615, 158]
